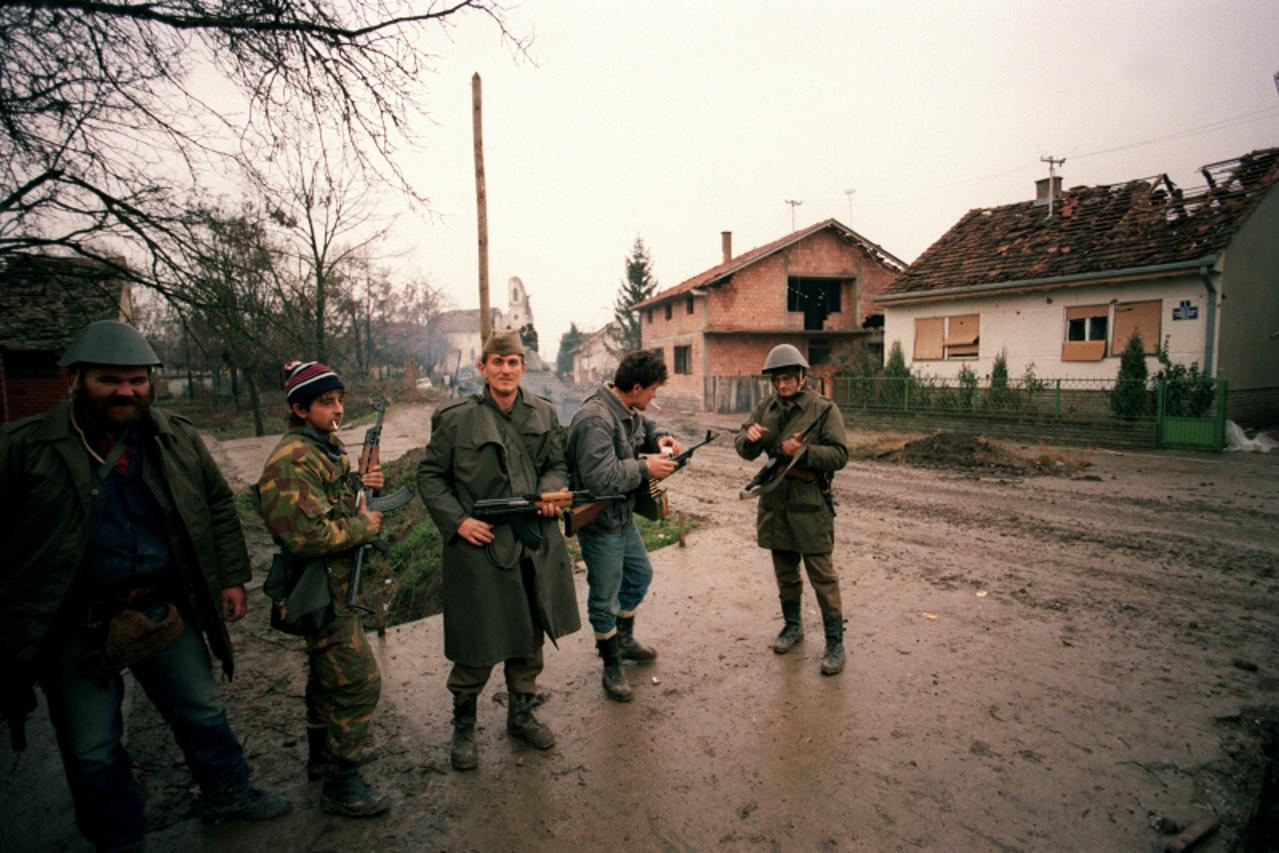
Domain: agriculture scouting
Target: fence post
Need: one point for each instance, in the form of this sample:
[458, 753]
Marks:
[1057, 398]
[1160, 400]
[905, 395]
[1223, 388]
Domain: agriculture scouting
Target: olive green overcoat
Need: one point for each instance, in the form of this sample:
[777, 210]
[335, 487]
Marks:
[794, 516]
[477, 452]
[45, 496]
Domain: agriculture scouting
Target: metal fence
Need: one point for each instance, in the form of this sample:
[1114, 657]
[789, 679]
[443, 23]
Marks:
[1103, 410]
[1058, 399]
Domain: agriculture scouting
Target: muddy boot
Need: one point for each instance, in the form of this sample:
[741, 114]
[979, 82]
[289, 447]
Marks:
[521, 722]
[319, 761]
[464, 755]
[833, 660]
[629, 646]
[250, 804]
[345, 793]
[792, 631]
[615, 686]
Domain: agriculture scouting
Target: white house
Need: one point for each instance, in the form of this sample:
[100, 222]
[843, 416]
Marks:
[1063, 282]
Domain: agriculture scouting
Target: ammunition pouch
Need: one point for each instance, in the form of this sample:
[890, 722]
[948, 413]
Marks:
[301, 600]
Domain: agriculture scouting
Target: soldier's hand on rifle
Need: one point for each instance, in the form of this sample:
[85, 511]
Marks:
[375, 518]
[547, 509]
[373, 478]
[670, 445]
[792, 445]
[476, 532]
[755, 432]
[659, 466]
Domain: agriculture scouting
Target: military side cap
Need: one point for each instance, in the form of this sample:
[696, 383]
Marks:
[504, 342]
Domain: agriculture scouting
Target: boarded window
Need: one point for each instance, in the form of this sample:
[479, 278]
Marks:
[929, 334]
[1141, 317]
[1086, 333]
[683, 359]
[963, 336]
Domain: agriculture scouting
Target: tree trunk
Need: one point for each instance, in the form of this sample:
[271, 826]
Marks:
[255, 400]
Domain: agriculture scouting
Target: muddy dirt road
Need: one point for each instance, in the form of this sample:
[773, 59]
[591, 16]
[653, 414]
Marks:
[1038, 663]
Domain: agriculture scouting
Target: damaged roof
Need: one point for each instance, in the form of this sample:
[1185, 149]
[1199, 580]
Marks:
[46, 300]
[721, 273]
[1142, 223]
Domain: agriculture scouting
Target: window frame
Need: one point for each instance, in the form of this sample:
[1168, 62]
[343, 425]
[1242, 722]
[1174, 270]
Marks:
[683, 353]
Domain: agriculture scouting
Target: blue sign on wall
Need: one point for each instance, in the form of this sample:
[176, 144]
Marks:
[1185, 311]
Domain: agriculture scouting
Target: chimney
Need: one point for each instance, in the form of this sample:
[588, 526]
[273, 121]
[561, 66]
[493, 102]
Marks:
[1041, 190]
[726, 240]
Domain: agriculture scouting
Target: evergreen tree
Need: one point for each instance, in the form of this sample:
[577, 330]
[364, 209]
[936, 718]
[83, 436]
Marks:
[638, 285]
[568, 342]
[1129, 398]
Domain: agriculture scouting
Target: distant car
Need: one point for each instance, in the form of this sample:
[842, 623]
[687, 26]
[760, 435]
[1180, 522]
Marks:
[424, 384]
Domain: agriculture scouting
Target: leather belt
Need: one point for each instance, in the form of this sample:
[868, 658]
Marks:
[801, 474]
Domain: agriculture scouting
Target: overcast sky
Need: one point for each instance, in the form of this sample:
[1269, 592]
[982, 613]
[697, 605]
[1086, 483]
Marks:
[676, 121]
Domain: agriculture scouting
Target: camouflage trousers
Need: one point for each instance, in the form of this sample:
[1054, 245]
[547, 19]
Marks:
[821, 574]
[343, 682]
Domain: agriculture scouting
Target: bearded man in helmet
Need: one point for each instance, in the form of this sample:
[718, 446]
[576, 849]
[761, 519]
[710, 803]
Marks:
[123, 550]
[795, 519]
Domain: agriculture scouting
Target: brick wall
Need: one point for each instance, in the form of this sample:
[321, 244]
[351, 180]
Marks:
[31, 396]
[755, 299]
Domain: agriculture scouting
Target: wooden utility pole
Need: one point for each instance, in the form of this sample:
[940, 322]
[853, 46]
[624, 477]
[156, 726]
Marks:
[481, 205]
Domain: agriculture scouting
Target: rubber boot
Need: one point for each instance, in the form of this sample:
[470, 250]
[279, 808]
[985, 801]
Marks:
[345, 793]
[319, 761]
[630, 648]
[615, 686]
[833, 660]
[792, 633]
[463, 755]
[521, 722]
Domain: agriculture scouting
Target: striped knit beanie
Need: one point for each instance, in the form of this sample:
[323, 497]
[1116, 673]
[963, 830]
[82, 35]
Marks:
[306, 380]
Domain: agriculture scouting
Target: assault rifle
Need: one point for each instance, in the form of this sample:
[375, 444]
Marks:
[579, 509]
[370, 455]
[650, 497]
[778, 463]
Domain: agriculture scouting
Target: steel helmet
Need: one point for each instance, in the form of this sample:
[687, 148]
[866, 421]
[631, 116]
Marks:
[783, 356]
[109, 342]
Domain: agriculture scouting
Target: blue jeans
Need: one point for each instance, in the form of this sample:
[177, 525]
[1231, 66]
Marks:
[617, 574]
[85, 712]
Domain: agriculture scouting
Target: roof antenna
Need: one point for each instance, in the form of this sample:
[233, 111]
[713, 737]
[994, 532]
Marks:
[793, 204]
[1052, 173]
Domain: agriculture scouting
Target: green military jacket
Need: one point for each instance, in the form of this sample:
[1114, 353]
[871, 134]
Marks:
[477, 452]
[794, 516]
[45, 498]
[307, 499]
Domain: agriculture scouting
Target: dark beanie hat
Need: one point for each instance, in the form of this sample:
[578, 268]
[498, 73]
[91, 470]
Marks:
[306, 380]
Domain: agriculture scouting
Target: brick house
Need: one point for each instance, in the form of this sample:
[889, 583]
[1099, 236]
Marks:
[1062, 286]
[812, 288]
[44, 302]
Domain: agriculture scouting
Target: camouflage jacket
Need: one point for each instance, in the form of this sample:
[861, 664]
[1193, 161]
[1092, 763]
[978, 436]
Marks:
[307, 498]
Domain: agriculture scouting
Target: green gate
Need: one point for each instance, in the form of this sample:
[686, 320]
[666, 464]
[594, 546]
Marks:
[1202, 433]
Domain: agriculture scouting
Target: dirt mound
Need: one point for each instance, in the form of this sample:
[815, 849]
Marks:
[961, 450]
